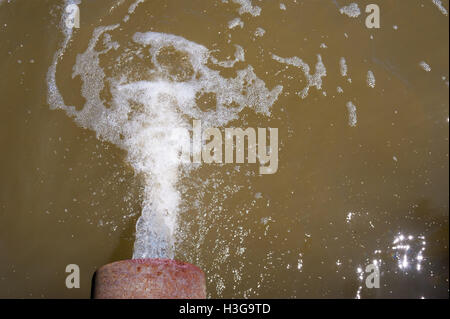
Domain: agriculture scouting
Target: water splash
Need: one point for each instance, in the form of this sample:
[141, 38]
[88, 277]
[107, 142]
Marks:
[154, 82]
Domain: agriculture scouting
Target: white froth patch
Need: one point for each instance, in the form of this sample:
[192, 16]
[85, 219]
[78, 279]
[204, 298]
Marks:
[247, 7]
[352, 10]
[352, 118]
[282, 6]
[145, 116]
[370, 79]
[425, 66]
[239, 56]
[440, 6]
[237, 22]
[69, 15]
[259, 32]
[226, 90]
[444, 78]
[131, 9]
[343, 67]
[314, 80]
[54, 98]
[339, 90]
[133, 6]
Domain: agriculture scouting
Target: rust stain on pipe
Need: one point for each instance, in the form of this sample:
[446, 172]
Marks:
[149, 279]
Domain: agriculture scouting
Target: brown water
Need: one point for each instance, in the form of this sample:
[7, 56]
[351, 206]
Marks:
[342, 197]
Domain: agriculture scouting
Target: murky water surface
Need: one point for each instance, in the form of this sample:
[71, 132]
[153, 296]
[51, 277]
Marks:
[87, 149]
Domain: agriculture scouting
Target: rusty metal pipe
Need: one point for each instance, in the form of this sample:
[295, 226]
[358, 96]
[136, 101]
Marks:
[149, 279]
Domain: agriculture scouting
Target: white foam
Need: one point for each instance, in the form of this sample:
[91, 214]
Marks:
[370, 79]
[440, 6]
[246, 6]
[144, 115]
[131, 9]
[54, 97]
[425, 66]
[259, 32]
[239, 56]
[282, 6]
[236, 22]
[444, 78]
[352, 118]
[343, 67]
[314, 80]
[352, 10]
